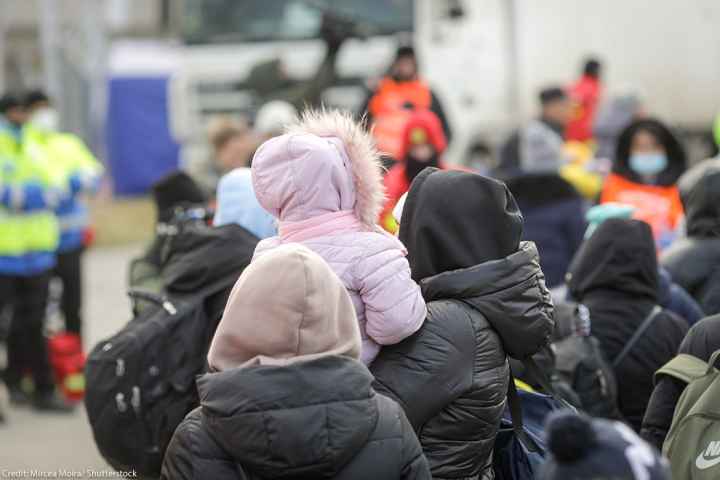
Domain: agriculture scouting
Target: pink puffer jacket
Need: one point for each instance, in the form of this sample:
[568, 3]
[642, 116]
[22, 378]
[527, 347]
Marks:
[322, 181]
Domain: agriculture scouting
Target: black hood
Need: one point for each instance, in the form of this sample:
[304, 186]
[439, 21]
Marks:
[537, 190]
[702, 205]
[201, 255]
[509, 292]
[305, 420]
[454, 220]
[677, 160]
[619, 256]
[703, 339]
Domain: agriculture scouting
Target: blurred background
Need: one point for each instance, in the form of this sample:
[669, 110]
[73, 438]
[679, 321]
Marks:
[141, 82]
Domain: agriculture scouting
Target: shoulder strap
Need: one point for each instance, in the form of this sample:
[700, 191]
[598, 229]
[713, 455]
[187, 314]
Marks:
[636, 336]
[515, 408]
[543, 379]
[684, 367]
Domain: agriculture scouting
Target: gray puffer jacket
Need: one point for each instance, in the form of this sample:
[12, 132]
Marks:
[317, 419]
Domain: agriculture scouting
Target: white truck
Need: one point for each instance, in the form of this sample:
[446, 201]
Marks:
[486, 59]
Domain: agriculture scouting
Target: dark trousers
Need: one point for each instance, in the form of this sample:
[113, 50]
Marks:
[68, 270]
[27, 350]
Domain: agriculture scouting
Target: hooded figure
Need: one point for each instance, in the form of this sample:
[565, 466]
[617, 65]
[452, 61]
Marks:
[236, 203]
[554, 214]
[288, 398]
[694, 261]
[486, 300]
[648, 162]
[615, 275]
[423, 145]
[701, 341]
[322, 182]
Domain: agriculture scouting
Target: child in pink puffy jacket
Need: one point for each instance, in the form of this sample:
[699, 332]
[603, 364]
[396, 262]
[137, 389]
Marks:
[322, 181]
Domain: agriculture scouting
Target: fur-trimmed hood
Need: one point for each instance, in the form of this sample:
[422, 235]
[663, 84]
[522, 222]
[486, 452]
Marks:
[326, 162]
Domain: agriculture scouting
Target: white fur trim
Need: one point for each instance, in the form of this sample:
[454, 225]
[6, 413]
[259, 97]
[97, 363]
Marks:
[361, 151]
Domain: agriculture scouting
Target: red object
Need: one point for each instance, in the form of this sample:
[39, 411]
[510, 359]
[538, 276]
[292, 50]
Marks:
[389, 111]
[586, 96]
[396, 182]
[68, 362]
[88, 237]
[658, 206]
[429, 123]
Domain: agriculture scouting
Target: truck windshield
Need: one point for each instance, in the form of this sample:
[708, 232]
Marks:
[231, 21]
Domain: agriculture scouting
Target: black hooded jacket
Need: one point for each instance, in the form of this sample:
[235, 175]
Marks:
[694, 261]
[677, 160]
[615, 275]
[486, 299]
[318, 419]
[701, 341]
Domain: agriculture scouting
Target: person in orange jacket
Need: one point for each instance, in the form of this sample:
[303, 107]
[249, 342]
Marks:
[585, 93]
[649, 159]
[399, 93]
[422, 144]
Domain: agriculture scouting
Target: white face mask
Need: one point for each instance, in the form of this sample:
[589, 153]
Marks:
[46, 118]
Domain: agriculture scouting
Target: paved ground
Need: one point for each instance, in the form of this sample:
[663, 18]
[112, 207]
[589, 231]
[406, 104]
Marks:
[51, 443]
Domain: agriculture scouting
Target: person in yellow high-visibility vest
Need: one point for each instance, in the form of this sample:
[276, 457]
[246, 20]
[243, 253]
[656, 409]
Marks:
[81, 172]
[29, 192]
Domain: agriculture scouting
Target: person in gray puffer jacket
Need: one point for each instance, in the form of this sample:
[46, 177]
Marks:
[288, 397]
[486, 299]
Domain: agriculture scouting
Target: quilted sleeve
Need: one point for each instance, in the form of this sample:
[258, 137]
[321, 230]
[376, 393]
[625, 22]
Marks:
[394, 306]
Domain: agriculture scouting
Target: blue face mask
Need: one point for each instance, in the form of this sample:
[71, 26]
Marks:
[648, 163]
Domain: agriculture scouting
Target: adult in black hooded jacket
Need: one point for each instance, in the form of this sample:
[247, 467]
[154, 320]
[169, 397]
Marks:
[615, 275]
[701, 341]
[486, 299]
[694, 261]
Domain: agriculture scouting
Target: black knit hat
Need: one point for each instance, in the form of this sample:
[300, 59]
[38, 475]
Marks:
[552, 94]
[583, 448]
[34, 97]
[405, 51]
[8, 102]
[176, 189]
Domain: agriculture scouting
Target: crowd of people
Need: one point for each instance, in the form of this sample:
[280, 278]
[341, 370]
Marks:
[393, 309]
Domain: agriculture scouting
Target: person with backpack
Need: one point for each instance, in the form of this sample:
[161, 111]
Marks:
[487, 300]
[615, 275]
[322, 182]
[178, 199]
[694, 260]
[701, 342]
[287, 396]
[582, 448]
[670, 295]
[132, 421]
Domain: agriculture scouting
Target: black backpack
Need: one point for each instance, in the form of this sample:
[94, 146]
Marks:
[140, 383]
[581, 363]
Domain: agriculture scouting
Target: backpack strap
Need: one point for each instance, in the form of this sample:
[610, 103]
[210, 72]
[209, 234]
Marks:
[684, 367]
[542, 378]
[636, 336]
[515, 408]
[713, 363]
